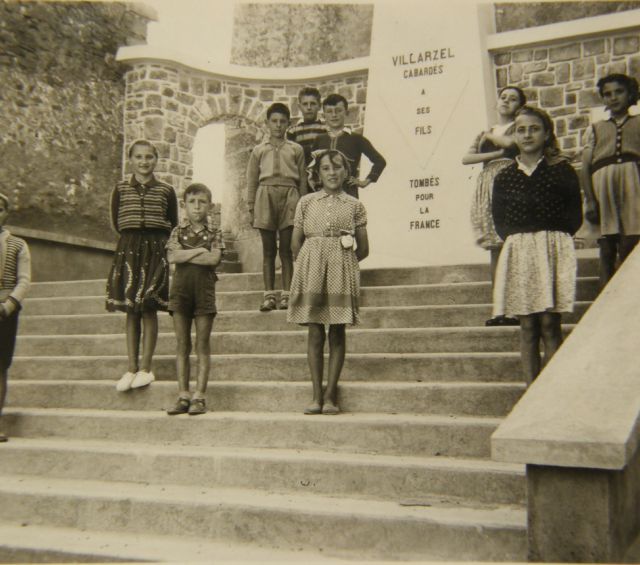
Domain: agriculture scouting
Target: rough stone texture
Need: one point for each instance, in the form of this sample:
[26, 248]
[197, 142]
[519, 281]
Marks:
[502, 59]
[561, 77]
[522, 56]
[625, 45]
[582, 515]
[183, 101]
[550, 97]
[61, 110]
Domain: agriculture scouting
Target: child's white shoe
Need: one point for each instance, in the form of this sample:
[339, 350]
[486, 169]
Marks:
[142, 378]
[125, 381]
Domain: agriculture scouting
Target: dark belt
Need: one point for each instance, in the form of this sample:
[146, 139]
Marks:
[325, 233]
[615, 160]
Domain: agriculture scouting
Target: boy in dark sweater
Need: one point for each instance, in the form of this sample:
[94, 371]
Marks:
[353, 145]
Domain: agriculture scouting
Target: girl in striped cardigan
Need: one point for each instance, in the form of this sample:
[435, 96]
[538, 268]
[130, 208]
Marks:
[143, 211]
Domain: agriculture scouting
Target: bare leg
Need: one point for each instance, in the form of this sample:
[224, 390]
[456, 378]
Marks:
[133, 340]
[182, 327]
[627, 245]
[149, 338]
[495, 255]
[203, 350]
[286, 257]
[315, 358]
[608, 253]
[269, 250]
[530, 346]
[4, 377]
[551, 329]
[337, 350]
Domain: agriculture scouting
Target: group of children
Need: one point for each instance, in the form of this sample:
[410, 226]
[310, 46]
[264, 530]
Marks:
[528, 207]
[303, 191]
[323, 226]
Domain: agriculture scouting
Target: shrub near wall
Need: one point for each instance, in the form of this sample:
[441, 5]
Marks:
[561, 78]
[61, 111]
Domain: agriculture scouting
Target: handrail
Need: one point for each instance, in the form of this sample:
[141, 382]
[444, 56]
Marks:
[584, 408]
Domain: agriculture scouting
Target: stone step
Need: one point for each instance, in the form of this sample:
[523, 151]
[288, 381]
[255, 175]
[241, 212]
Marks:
[22, 542]
[377, 477]
[587, 267]
[465, 399]
[363, 528]
[495, 367]
[372, 317]
[396, 340]
[394, 296]
[387, 434]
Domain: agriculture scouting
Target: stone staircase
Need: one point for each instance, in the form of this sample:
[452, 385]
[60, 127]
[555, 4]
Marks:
[403, 474]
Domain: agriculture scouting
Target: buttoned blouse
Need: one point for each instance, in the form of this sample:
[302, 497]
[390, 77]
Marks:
[321, 211]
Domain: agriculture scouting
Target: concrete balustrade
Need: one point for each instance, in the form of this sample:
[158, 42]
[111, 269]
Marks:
[577, 430]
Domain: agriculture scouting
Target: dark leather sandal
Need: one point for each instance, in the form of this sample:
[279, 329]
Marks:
[198, 406]
[181, 407]
[268, 304]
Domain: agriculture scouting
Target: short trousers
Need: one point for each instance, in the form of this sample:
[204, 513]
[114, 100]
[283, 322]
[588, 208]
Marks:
[275, 207]
[8, 332]
[193, 290]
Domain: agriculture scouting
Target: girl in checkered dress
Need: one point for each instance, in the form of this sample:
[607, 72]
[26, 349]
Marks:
[329, 239]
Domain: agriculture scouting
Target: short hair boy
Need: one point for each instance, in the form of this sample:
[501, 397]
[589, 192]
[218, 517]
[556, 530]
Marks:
[353, 145]
[305, 132]
[15, 278]
[196, 248]
[276, 179]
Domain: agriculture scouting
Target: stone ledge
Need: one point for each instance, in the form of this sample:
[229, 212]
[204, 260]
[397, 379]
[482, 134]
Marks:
[575, 29]
[583, 410]
[152, 54]
[61, 238]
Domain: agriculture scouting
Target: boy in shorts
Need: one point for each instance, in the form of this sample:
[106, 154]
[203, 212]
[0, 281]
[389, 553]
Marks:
[276, 179]
[196, 248]
[305, 132]
[15, 278]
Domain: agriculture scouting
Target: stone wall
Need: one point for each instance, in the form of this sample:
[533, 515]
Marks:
[61, 110]
[168, 105]
[561, 77]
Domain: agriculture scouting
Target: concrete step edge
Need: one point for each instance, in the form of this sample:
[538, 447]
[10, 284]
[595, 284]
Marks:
[444, 463]
[490, 516]
[397, 288]
[276, 356]
[508, 330]
[69, 544]
[265, 385]
[345, 419]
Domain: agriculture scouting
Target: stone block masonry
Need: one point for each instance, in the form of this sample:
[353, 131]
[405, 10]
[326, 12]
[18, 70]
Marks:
[563, 78]
[166, 103]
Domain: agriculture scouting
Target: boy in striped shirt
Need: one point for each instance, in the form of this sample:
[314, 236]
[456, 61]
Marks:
[305, 132]
[15, 278]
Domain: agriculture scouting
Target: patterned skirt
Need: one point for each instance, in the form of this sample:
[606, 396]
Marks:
[481, 213]
[325, 288]
[139, 277]
[536, 273]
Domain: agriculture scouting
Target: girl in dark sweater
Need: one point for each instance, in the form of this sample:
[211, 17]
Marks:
[536, 210]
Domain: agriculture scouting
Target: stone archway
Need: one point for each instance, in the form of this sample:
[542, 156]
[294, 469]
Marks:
[168, 102]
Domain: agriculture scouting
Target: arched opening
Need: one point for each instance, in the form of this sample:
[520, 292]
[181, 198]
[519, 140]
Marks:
[209, 160]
